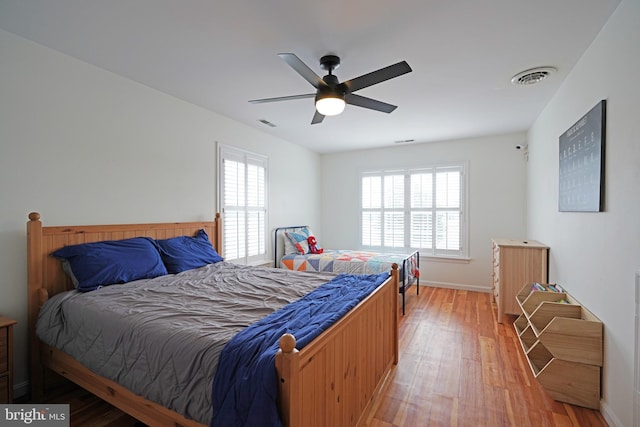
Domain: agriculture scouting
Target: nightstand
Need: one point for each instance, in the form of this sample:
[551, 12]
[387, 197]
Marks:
[6, 359]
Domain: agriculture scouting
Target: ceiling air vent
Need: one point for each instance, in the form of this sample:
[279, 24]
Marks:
[532, 76]
[266, 122]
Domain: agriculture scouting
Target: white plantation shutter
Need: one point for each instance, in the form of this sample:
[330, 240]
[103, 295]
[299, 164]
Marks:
[448, 202]
[421, 216]
[371, 211]
[415, 209]
[383, 218]
[243, 186]
[393, 213]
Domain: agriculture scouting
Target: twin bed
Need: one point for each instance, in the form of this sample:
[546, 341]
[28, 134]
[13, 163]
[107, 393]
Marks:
[292, 252]
[164, 349]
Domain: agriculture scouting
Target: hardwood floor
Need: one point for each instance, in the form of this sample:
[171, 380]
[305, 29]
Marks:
[458, 367]
[89, 411]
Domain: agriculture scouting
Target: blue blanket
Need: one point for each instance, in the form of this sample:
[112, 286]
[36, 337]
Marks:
[245, 387]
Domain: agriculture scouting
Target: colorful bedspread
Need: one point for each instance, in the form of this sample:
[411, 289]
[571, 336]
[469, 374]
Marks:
[246, 378]
[350, 262]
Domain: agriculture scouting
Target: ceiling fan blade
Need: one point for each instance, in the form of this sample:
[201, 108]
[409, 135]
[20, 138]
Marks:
[307, 73]
[372, 104]
[377, 76]
[317, 118]
[282, 98]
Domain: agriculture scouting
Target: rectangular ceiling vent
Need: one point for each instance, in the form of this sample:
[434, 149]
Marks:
[267, 122]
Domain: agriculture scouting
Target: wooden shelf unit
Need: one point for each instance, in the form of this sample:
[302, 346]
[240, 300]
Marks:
[516, 262]
[563, 345]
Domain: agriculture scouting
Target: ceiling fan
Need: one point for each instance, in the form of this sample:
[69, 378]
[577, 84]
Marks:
[331, 96]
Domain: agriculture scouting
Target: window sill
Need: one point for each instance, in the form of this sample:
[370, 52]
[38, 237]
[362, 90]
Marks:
[259, 263]
[456, 260]
[431, 258]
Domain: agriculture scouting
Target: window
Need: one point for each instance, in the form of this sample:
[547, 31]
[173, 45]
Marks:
[413, 209]
[243, 196]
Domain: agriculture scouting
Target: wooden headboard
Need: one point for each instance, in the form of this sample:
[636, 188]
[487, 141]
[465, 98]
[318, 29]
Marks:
[45, 276]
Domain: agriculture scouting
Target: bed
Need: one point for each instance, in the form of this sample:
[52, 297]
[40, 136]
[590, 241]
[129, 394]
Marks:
[293, 251]
[333, 379]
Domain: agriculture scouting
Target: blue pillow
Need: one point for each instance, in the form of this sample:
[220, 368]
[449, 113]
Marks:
[185, 253]
[97, 264]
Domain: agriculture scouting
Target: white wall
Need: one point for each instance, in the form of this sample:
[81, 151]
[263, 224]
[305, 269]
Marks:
[595, 255]
[496, 202]
[81, 145]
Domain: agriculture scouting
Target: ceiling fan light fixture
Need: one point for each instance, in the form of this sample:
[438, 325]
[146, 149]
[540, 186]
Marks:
[332, 96]
[330, 105]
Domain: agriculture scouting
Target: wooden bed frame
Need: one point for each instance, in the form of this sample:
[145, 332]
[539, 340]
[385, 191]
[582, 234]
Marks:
[404, 282]
[334, 380]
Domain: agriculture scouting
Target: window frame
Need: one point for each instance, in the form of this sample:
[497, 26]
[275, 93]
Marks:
[246, 158]
[462, 253]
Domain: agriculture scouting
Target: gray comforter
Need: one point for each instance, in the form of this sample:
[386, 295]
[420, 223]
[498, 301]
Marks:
[161, 338]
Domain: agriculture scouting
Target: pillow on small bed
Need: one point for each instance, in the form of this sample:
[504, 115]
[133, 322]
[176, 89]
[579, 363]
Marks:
[185, 253]
[289, 247]
[299, 238]
[96, 264]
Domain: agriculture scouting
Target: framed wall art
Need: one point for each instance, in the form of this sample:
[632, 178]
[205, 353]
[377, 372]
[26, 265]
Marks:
[581, 155]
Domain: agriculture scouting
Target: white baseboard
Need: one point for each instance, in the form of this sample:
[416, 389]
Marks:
[21, 389]
[460, 286]
[608, 415]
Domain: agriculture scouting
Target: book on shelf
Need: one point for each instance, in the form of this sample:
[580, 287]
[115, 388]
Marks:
[548, 288]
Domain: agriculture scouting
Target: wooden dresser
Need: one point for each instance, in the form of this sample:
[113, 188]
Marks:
[516, 263]
[6, 359]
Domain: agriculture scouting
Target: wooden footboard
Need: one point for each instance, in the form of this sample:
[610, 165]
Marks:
[332, 381]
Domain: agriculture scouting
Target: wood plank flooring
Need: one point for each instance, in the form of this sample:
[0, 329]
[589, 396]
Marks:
[458, 367]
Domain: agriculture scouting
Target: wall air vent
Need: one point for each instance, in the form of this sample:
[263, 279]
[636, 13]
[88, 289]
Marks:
[532, 76]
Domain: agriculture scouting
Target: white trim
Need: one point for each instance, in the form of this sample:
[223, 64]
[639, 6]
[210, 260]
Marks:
[609, 416]
[459, 286]
[463, 166]
[246, 157]
[454, 260]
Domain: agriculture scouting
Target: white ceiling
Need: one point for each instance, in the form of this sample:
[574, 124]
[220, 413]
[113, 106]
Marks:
[220, 54]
